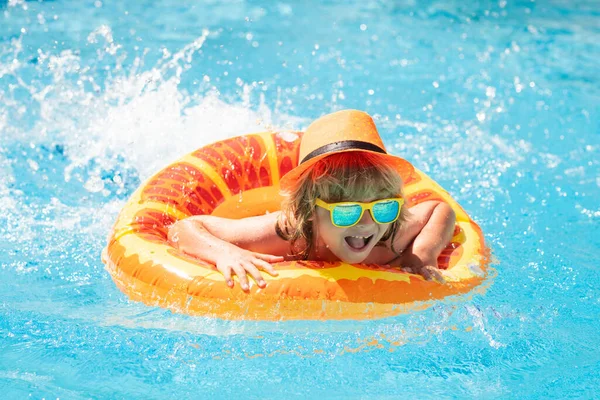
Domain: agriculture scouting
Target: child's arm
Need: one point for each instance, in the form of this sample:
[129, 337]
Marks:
[424, 236]
[233, 246]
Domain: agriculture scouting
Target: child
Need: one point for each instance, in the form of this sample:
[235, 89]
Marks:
[342, 202]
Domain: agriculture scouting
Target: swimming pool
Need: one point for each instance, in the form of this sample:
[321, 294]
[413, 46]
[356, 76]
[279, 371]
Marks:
[498, 103]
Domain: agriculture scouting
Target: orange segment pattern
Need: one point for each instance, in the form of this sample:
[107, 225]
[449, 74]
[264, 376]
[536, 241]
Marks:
[148, 269]
[240, 161]
[185, 187]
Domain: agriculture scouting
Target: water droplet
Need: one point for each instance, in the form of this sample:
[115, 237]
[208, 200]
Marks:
[33, 165]
[94, 184]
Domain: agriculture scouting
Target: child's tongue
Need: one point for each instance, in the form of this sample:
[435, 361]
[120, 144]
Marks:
[356, 242]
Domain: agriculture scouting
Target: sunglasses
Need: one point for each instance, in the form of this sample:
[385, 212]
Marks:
[346, 214]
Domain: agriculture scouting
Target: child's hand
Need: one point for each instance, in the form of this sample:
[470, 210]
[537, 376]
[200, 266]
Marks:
[431, 272]
[241, 262]
[424, 265]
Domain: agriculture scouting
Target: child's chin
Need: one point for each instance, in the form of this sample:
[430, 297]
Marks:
[356, 259]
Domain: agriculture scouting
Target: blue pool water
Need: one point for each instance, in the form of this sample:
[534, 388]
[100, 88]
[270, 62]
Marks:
[498, 101]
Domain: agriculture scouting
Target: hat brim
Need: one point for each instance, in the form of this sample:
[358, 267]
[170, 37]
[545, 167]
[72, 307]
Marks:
[404, 168]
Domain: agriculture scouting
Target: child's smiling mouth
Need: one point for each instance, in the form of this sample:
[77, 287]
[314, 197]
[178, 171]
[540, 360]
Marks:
[358, 242]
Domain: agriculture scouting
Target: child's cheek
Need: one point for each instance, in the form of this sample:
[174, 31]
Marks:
[322, 216]
[328, 234]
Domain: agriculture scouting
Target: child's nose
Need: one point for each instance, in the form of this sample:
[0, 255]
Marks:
[366, 219]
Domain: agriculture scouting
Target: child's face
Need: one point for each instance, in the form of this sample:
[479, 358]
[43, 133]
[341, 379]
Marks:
[351, 245]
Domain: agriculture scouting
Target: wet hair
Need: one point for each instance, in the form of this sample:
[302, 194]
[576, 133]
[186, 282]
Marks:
[347, 176]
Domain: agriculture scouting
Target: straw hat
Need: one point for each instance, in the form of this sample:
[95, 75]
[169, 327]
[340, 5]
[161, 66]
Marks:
[342, 131]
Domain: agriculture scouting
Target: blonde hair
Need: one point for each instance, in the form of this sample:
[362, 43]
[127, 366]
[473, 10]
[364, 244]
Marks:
[346, 176]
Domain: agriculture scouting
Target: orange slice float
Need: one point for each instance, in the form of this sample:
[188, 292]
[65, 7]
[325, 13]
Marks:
[239, 177]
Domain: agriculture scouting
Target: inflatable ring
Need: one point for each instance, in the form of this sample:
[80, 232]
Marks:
[239, 177]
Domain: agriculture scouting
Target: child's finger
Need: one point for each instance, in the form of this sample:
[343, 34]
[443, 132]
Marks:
[434, 273]
[269, 257]
[439, 277]
[265, 266]
[251, 268]
[241, 274]
[226, 271]
[424, 272]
